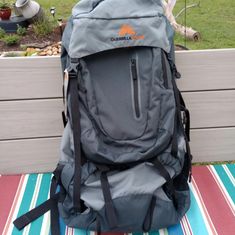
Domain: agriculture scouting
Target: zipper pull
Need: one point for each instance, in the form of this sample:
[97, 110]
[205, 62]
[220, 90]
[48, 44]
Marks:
[175, 72]
[133, 68]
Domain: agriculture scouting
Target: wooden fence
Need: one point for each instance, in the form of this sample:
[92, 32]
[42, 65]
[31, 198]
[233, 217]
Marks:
[31, 104]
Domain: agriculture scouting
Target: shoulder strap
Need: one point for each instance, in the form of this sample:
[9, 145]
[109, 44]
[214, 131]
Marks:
[74, 73]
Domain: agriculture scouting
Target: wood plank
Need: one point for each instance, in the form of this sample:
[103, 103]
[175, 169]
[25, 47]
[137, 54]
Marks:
[211, 109]
[213, 144]
[41, 155]
[39, 77]
[30, 118]
[42, 118]
[206, 69]
[27, 78]
[29, 156]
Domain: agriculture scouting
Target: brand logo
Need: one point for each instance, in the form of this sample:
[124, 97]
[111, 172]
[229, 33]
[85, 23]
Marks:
[127, 33]
[126, 30]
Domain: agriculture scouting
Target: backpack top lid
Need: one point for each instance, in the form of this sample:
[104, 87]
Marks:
[100, 25]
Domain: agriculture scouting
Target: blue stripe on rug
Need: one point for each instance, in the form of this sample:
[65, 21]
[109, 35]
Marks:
[231, 168]
[26, 200]
[226, 181]
[81, 232]
[42, 197]
[175, 230]
[195, 218]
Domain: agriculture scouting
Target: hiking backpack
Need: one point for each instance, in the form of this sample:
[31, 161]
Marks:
[125, 158]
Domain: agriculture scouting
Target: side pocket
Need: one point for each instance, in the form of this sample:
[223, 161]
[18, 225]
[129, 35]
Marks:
[84, 220]
[167, 213]
[87, 217]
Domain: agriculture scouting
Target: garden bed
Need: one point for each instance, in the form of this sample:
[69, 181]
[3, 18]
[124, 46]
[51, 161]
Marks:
[30, 38]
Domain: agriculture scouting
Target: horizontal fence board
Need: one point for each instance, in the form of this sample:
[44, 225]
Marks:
[211, 109]
[27, 78]
[41, 76]
[206, 69]
[30, 118]
[41, 155]
[42, 118]
[213, 144]
[29, 156]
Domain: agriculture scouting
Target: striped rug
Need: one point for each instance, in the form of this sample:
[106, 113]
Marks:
[212, 209]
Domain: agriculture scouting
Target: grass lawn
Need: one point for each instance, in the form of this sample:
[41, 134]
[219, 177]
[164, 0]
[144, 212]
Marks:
[63, 7]
[214, 19]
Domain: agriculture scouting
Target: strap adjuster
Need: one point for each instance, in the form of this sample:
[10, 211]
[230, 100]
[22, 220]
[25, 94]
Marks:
[72, 74]
[73, 68]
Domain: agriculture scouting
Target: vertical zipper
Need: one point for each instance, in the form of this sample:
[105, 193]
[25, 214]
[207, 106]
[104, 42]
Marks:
[135, 87]
[164, 70]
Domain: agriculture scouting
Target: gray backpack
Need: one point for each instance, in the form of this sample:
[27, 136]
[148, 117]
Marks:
[125, 158]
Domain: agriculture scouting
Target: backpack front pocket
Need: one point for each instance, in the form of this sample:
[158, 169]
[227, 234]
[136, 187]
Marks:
[119, 86]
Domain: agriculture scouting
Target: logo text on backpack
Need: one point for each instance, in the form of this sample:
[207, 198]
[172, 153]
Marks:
[127, 33]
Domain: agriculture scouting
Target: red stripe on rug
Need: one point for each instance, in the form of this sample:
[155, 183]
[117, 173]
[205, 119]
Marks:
[8, 188]
[218, 209]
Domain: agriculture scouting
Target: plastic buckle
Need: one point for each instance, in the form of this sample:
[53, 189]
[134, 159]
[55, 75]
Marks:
[73, 69]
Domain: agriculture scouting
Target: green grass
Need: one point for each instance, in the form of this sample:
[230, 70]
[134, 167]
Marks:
[213, 163]
[214, 19]
[63, 7]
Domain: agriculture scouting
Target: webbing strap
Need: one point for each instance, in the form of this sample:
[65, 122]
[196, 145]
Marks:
[174, 150]
[55, 226]
[149, 215]
[35, 213]
[76, 127]
[109, 207]
[51, 204]
[187, 116]
[187, 125]
[162, 170]
[64, 119]
[168, 186]
[180, 101]
[169, 190]
[186, 122]
[174, 146]
[98, 225]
